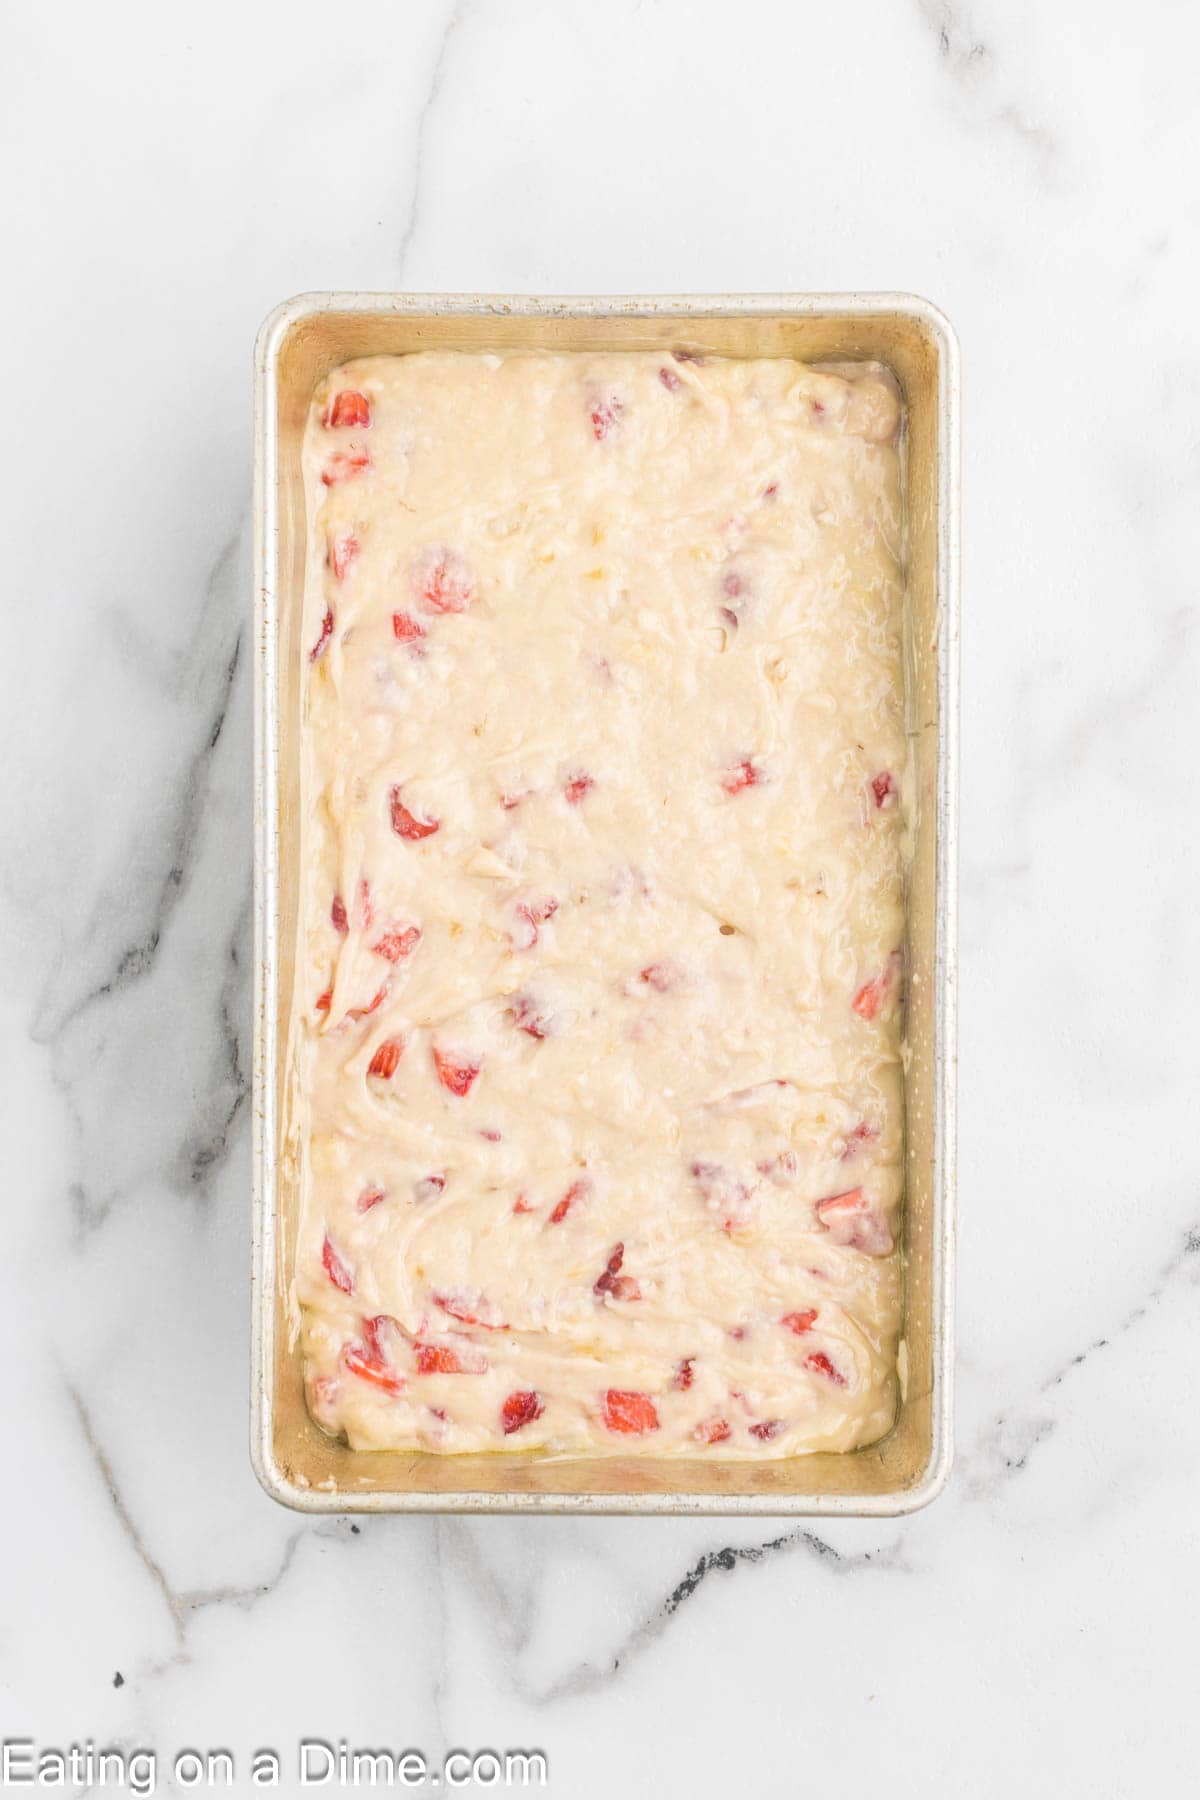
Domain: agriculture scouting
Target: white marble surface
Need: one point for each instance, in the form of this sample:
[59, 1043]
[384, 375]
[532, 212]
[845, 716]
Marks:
[172, 172]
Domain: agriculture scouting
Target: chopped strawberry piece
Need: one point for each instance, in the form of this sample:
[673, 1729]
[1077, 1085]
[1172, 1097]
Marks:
[438, 1359]
[367, 1368]
[364, 1012]
[342, 553]
[470, 1309]
[820, 1364]
[669, 379]
[629, 1412]
[406, 824]
[766, 1429]
[730, 617]
[337, 912]
[872, 994]
[326, 634]
[365, 908]
[525, 1016]
[347, 408]
[685, 1374]
[368, 1198]
[800, 1322]
[397, 942]
[771, 490]
[576, 787]
[521, 1205]
[658, 976]
[578, 1190]
[531, 914]
[343, 466]
[743, 774]
[429, 1187]
[885, 788]
[521, 1408]
[625, 1287]
[386, 1059]
[713, 1431]
[338, 1272]
[406, 628]
[372, 1331]
[324, 1001]
[493, 1137]
[861, 1134]
[722, 1192]
[604, 1283]
[455, 1073]
[605, 414]
[852, 1221]
[442, 582]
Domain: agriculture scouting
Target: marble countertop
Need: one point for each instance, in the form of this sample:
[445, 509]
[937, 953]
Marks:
[1034, 168]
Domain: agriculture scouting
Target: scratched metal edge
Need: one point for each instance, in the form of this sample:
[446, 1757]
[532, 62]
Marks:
[274, 1478]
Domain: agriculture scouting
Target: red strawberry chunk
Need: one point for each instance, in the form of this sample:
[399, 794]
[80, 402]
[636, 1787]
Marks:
[347, 408]
[438, 1359]
[521, 1408]
[530, 914]
[455, 1073]
[324, 1001]
[366, 910]
[521, 1205]
[576, 787]
[629, 1412]
[364, 1012]
[525, 1016]
[800, 1322]
[470, 1309]
[626, 1288]
[339, 1272]
[872, 994]
[367, 1368]
[344, 466]
[685, 1374]
[669, 379]
[342, 553]
[604, 1282]
[712, 1431]
[852, 1221]
[406, 628]
[766, 1429]
[406, 824]
[885, 788]
[741, 775]
[386, 1059]
[861, 1134]
[397, 942]
[326, 633]
[820, 1364]
[578, 1190]
[429, 1187]
[605, 414]
[337, 912]
[442, 582]
[368, 1198]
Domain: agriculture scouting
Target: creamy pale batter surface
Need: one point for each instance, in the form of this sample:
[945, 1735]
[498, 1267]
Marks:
[596, 1087]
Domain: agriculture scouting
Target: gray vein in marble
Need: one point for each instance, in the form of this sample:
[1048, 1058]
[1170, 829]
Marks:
[1007, 1444]
[135, 960]
[185, 1604]
[514, 1625]
[208, 1142]
[974, 69]
[431, 98]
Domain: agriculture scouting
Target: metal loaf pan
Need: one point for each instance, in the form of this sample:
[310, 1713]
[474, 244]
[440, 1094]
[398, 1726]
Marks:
[300, 341]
